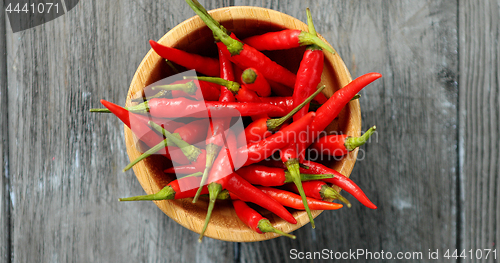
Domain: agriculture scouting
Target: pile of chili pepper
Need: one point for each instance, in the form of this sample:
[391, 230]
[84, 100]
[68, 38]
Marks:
[266, 163]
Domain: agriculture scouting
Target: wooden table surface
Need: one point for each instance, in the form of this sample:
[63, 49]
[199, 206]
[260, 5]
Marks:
[433, 168]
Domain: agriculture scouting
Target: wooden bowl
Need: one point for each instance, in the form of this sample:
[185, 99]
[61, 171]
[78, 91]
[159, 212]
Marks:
[192, 35]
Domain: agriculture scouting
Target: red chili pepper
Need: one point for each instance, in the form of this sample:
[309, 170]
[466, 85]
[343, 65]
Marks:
[259, 151]
[340, 180]
[255, 81]
[182, 107]
[245, 56]
[264, 127]
[340, 144]
[285, 39]
[196, 156]
[318, 190]
[308, 78]
[254, 220]
[144, 133]
[284, 102]
[329, 111]
[184, 169]
[289, 157]
[190, 89]
[190, 133]
[215, 139]
[177, 189]
[204, 65]
[270, 176]
[220, 173]
[292, 200]
[250, 193]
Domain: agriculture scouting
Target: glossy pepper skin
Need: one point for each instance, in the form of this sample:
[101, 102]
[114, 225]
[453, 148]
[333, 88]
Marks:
[270, 176]
[292, 200]
[182, 107]
[204, 65]
[339, 180]
[254, 220]
[285, 39]
[261, 150]
[329, 110]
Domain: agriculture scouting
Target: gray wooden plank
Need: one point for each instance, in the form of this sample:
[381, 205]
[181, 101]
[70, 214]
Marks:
[480, 125]
[410, 169]
[65, 162]
[4, 148]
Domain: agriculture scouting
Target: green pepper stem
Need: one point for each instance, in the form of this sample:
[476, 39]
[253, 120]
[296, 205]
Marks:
[171, 65]
[274, 124]
[213, 190]
[224, 195]
[293, 167]
[148, 153]
[310, 24]
[265, 226]
[166, 193]
[233, 46]
[352, 143]
[357, 96]
[232, 86]
[139, 108]
[189, 87]
[193, 174]
[212, 151]
[248, 76]
[307, 177]
[190, 151]
[307, 39]
[328, 192]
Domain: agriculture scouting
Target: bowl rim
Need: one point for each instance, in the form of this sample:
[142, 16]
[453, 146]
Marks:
[139, 80]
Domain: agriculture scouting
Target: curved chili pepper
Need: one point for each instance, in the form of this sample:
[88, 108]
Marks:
[270, 176]
[245, 56]
[204, 65]
[289, 157]
[264, 127]
[250, 193]
[255, 81]
[340, 180]
[329, 111]
[285, 39]
[340, 144]
[319, 190]
[177, 189]
[259, 151]
[144, 133]
[222, 169]
[182, 107]
[254, 220]
[215, 140]
[308, 78]
[190, 133]
[291, 200]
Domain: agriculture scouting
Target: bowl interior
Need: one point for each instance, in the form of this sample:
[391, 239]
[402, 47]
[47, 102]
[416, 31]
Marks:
[193, 36]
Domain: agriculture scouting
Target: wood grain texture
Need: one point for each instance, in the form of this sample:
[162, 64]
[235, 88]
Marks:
[4, 147]
[409, 168]
[480, 124]
[65, 162]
